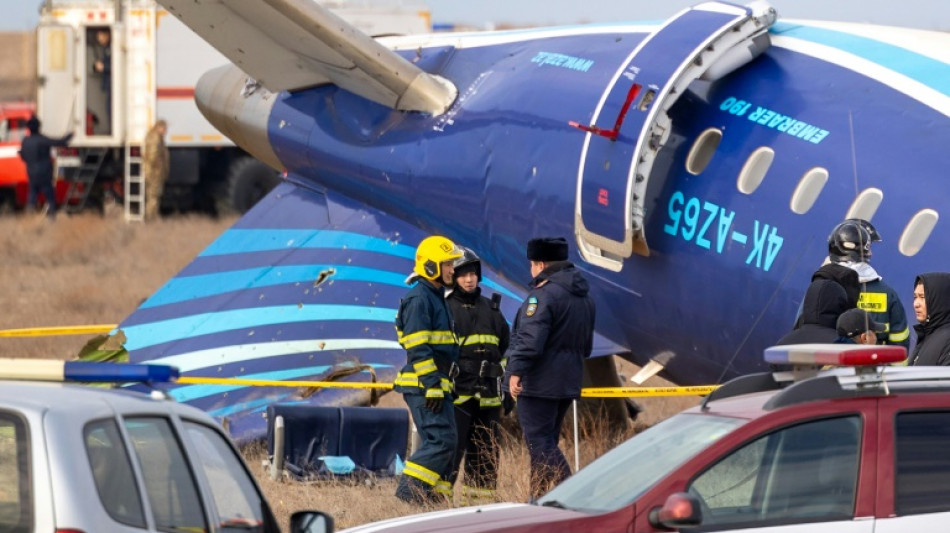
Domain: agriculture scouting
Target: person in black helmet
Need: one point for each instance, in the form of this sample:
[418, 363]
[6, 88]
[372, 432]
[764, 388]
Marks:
[850, 245]
[483, 337]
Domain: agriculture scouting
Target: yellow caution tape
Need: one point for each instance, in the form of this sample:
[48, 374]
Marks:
[276, 383]
[63, 330]
[629, 392]
[598, 392]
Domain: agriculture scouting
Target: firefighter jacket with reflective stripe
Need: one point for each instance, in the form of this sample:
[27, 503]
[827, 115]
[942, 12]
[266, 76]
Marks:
[882, 303]
[483, 336]
[424, 329]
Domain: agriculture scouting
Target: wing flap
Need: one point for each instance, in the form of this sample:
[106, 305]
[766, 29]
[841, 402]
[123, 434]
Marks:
[295, 44]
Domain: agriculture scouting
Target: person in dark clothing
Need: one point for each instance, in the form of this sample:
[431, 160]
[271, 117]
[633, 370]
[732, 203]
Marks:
[833, 290]
[424, 328]
[483, 336]
[553, 333]
[850, 245]
[932, 308]
[855, 326]
[35, 153]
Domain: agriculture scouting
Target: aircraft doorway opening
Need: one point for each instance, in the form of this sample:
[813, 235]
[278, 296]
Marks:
[98, 117]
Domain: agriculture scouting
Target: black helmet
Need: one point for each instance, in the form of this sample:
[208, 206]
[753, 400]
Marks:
[468, 261]
[850, 241]
[875, 236]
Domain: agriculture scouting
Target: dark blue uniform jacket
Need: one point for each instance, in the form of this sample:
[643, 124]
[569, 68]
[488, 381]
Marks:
[553, 334]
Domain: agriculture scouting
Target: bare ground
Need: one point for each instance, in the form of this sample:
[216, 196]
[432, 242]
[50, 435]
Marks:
[87, 269]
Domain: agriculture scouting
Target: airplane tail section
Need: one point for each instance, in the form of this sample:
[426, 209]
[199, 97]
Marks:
[304, 287]
[295, 44]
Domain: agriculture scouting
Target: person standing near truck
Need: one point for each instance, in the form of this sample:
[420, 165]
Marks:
[35, 153]
[155, 160]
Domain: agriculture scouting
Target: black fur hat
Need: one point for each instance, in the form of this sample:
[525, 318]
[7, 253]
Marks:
[547, 249]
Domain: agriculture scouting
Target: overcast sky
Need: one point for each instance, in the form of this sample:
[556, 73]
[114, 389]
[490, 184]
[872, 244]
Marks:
[927, 14]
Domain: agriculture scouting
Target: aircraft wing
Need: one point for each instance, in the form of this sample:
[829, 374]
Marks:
[304, 287]
[295, 44]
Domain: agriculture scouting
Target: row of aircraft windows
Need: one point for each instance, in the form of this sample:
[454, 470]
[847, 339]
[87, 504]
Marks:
[912, 239]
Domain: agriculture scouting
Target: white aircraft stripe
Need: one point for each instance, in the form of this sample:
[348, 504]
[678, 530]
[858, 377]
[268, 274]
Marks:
[479, 39]
[904, 84]
[212, 357]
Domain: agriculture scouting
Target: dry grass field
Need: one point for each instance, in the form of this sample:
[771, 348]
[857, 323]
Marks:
[86, 269]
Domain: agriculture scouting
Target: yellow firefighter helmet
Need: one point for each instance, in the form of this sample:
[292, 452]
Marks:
[430, 255]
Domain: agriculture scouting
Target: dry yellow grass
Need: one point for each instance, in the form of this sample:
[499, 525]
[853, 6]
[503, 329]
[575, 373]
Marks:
[86, 269]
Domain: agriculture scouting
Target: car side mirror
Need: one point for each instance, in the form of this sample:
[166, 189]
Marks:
[311, 522]
[681, 510]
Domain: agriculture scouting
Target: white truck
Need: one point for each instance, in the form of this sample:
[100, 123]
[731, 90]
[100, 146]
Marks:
[108, 69]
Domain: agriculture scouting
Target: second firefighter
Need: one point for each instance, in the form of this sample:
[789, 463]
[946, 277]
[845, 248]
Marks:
[483, 336]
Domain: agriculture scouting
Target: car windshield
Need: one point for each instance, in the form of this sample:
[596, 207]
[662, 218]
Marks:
[621, 475]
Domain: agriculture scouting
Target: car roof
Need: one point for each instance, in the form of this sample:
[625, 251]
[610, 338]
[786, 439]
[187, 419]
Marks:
[754, 395]
[78, 398]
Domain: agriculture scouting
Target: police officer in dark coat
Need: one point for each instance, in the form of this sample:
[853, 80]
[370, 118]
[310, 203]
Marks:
[553, 334]
[932, 308]
[483, 336]
[35, 153]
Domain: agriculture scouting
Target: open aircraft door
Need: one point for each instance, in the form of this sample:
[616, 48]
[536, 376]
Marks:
[630, 123]
[57, 88]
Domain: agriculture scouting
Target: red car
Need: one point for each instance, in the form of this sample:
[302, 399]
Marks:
[14, 183]
[858, 449]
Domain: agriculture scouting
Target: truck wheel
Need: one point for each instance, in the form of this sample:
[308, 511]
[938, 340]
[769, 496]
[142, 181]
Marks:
[248, 181]
[7, 200]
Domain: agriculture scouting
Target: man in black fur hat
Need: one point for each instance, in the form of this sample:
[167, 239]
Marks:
[553, 334]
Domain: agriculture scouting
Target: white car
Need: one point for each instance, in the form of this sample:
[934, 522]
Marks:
[76, 458]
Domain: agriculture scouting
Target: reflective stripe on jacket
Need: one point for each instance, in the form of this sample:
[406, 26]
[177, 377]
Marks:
[424, 329]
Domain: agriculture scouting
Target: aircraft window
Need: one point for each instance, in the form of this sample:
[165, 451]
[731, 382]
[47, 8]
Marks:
[917, 232]
[755, 169]
[702, 151]
[866, 204]
[808, 190]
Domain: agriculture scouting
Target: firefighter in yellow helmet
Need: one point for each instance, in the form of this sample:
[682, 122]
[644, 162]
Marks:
[424, 328]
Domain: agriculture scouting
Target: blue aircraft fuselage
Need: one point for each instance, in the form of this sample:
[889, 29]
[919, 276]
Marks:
[726, 269]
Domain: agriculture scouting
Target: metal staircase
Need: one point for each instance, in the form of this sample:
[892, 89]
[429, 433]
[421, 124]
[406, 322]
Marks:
[82, 181]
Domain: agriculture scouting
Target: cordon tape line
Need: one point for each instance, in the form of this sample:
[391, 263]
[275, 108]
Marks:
[630, 392]
[599, 392]
[63, 330]
[276, 383]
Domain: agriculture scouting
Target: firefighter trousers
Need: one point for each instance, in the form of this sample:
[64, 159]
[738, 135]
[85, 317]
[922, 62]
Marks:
[426, 473]
[478, 444]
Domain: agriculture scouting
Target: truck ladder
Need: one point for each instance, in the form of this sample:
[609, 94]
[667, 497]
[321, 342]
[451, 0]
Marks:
[82, 180]
[134, 192]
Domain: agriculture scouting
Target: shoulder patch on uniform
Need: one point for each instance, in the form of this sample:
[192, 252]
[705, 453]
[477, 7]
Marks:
[532, 306]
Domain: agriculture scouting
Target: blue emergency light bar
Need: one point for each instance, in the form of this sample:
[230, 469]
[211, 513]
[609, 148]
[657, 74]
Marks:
[835, 354]
[87, 371]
